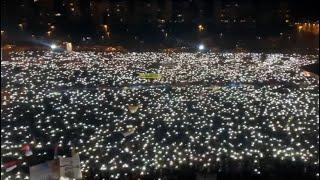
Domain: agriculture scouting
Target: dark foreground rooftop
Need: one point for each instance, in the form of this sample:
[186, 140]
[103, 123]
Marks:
[312, 68]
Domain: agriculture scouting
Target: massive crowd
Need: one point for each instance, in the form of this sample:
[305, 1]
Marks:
[206, 110]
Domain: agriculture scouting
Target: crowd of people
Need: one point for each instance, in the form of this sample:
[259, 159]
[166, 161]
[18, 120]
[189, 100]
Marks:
[206, 111]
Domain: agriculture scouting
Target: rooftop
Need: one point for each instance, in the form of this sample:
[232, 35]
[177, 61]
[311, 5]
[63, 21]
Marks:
[312, 68]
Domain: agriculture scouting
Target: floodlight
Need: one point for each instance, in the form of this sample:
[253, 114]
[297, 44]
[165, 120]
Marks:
[201, 47]
[53, 46]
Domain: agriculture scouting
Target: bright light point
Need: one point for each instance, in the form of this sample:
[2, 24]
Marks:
[200, 28]
[201, 47]
[53, 46]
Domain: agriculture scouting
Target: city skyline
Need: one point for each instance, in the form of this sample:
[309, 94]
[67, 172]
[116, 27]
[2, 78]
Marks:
[152, 11]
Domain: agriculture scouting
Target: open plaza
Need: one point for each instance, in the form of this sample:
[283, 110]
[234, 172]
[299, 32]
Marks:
[142, 113]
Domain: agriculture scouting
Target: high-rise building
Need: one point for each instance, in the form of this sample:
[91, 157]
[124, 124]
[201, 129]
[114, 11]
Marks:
[284, 13]
[100, 12]
[85, 9]
[4, 16]
[217, 5]
[267, 13]
[17, 14]
[205, 10]
[120, 12]
[182, 11]
[165, 11]
[144, 11]
[229, 14]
